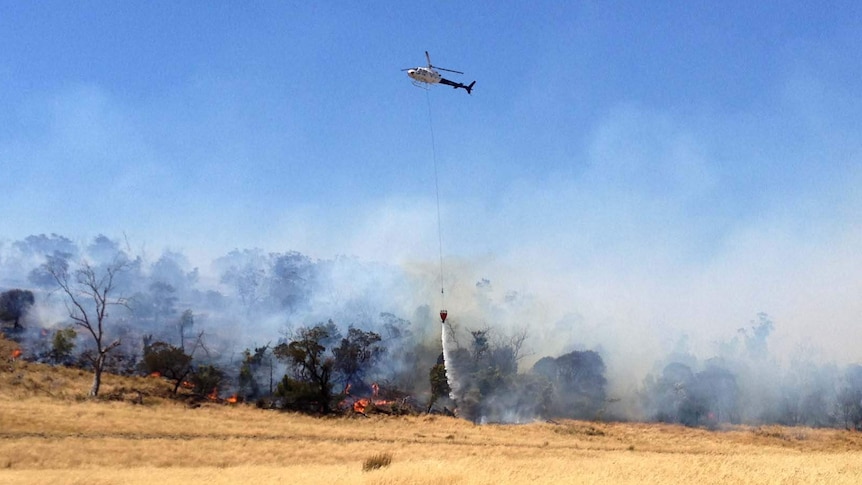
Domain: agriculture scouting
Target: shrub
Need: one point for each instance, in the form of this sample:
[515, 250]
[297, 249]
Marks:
[206, 379]
[379, 460]
[62, 346]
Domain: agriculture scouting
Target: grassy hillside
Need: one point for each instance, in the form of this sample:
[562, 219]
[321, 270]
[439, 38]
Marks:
[51, 433]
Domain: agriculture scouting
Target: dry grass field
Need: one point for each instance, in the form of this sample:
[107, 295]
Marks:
[50, 433]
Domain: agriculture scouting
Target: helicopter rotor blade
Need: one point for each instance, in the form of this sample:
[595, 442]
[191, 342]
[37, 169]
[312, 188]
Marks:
[449, 70]
[431, 66]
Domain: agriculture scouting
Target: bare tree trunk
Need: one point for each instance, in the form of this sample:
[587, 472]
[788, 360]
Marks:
[97, 375]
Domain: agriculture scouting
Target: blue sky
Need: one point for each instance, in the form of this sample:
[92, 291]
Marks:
[638, 165]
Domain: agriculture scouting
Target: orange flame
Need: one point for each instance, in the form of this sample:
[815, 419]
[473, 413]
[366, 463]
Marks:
[187, 385]
[233, 399]
[213, 396]
[155, 374]
[16, 353]
[360, 404]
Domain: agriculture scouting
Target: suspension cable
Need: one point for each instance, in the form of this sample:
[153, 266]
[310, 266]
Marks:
[437, 191]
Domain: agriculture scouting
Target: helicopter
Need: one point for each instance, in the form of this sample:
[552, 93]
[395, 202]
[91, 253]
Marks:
[429, 75]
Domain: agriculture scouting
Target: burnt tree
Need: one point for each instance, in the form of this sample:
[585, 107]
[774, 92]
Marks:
[310, 386]
[357, 352]
[579, 383]
[168, 361]
[89, 293]
[14, 305]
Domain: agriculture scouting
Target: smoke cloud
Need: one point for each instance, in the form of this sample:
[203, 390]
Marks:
[653, 240]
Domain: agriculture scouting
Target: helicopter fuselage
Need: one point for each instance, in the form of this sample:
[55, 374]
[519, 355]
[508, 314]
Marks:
[425, 75]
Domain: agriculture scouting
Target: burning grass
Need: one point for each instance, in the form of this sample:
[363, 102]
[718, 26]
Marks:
[50, 433]
[9, 353]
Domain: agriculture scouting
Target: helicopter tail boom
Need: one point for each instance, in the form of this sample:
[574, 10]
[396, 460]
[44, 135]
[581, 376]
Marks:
[468, 88]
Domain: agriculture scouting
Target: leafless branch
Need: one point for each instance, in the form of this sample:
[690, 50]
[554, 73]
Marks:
[199, 344]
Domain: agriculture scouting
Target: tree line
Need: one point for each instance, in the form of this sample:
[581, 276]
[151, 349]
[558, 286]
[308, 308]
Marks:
[125, 313]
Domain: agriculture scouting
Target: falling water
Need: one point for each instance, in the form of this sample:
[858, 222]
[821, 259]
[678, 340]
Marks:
[449, 362]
